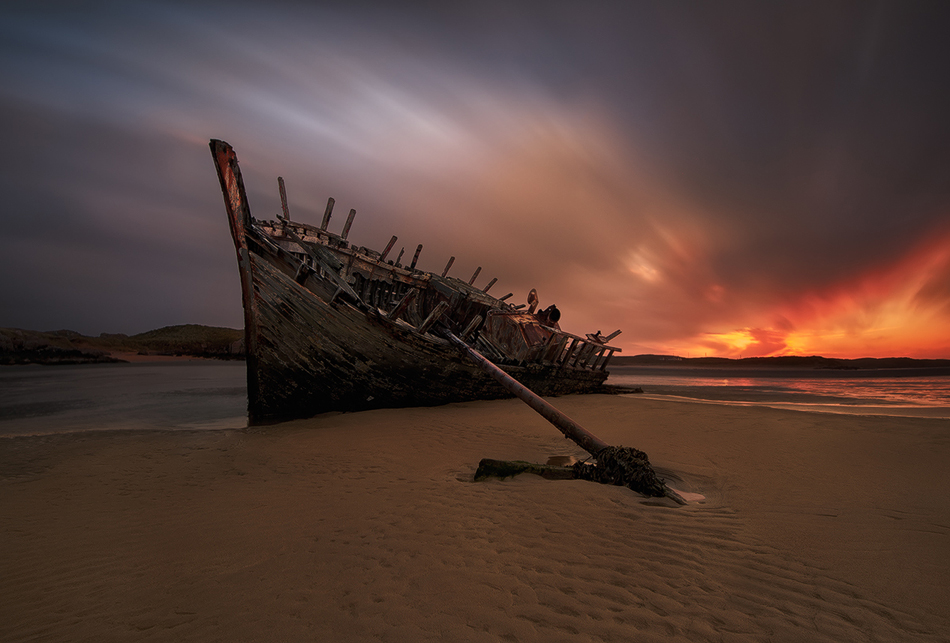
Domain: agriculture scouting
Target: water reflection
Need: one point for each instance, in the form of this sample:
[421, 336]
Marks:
[919, 395]
[172, 395]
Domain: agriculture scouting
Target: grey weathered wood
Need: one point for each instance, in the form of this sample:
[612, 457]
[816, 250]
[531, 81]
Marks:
[349, 222]
[317, 253]
[283, 198]
[327, 213]
[571, 429]
[313, 346]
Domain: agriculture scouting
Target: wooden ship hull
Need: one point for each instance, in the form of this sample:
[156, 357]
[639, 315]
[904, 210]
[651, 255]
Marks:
[333, 327]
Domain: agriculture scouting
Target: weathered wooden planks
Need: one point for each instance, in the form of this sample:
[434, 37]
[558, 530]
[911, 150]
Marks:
[311, 350]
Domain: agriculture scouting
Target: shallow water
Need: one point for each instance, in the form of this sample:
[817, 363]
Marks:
[200, 394]
[898, 392]
[36, 400]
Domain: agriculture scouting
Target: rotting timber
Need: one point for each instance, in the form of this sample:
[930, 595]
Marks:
[334, 327]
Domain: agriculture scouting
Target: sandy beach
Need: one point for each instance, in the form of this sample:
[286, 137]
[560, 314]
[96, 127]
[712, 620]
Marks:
[367, 526]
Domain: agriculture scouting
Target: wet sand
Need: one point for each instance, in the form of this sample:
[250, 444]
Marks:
[367, 526]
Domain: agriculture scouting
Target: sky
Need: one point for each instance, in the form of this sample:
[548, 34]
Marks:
[712, 178]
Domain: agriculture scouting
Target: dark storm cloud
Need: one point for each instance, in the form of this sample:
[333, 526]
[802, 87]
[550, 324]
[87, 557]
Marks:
[672, 169]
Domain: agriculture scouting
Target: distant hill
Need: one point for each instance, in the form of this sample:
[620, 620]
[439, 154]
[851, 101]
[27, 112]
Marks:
[18, 346]
[785, 361]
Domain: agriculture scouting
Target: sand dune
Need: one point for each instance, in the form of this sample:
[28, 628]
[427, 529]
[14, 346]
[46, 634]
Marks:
[367, 526]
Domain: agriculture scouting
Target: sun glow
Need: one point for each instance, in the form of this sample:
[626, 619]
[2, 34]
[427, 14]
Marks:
[898, 310]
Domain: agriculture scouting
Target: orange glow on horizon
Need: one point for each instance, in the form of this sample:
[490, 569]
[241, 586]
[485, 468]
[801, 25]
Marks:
[900, 310]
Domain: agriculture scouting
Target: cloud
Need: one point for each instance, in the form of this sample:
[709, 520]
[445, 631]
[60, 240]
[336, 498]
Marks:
[727, 180]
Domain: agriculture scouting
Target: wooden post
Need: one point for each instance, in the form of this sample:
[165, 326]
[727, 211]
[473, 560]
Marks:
[490, 284]
[448, 265]
[612, 335]
[389, 247]
[472, 280]
[326, 260]
[558, 350]
[415, 257]
[283, 198]
[476, 320]
[434, 316]
[508, 296]
[401, 251]
[349, 222]
[327, 213]
[596, 361]
[571, 429]
[403, 304]
[570, 352]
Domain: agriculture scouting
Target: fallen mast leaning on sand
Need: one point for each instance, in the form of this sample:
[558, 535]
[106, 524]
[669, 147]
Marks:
[333, 327]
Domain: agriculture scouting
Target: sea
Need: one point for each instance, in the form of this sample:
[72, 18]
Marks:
[211, 395]
[906, 392]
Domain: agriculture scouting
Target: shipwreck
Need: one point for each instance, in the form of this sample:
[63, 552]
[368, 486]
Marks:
[330, 326]
[333, 327]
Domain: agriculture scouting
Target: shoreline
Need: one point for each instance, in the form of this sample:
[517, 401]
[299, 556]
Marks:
[367, 525]
[856, 408]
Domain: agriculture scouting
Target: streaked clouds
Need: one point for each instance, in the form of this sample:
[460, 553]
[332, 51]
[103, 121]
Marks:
[729, 179]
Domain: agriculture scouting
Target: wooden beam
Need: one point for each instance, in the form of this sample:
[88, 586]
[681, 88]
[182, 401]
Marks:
[490, 284]
[349, 222]
[476, 320]
[415, 257]
[448, 265]
[403, 304]
[389, 247]
[571, 429]
[283, 198]
[239, 218]
[302, 271]
[327, 213]
[326, 264]
[472, 280]
[570, 352]
[434, 316]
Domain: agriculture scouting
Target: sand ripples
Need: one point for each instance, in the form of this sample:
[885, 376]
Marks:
[368, 527]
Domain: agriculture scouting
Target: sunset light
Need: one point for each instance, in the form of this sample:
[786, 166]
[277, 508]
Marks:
[895, 310]
[646, 170]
